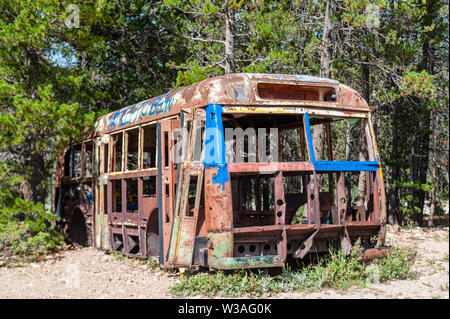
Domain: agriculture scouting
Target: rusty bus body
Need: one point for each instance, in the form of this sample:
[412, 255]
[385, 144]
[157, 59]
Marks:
[121, 188]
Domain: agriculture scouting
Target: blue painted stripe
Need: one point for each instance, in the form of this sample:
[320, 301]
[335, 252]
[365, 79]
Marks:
[336, 165]
[310, 143]
[215, 143]
[345, 166]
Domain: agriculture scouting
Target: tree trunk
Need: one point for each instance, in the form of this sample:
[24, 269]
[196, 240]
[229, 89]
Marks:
[362, 158]
[325, 61]
[33, 187]
[395, 215]
[433, 175]
[419, 167]
[347, 176]
[362, 136]
[229, 42]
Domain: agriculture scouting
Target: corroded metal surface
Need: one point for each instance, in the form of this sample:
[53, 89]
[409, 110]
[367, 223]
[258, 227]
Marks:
[228, 90]
[373, 253]
[246, 262]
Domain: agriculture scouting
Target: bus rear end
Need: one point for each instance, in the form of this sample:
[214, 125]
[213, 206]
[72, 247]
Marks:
[265, 185]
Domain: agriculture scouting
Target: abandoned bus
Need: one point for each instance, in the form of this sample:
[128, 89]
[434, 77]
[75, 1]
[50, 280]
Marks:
[225, 174]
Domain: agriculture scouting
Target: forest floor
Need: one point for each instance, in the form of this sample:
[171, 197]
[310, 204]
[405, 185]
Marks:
[90, 273]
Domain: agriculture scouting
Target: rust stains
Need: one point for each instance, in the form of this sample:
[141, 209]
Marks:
[235, 90]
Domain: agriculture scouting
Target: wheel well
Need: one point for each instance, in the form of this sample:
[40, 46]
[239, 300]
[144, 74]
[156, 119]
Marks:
[153, 222]
[153, 234]
[78, 230]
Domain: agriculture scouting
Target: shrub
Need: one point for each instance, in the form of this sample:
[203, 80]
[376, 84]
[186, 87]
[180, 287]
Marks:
[26, 232]
[397, 264]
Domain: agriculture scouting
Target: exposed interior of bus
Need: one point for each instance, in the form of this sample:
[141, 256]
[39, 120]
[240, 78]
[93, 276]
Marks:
[253, 193]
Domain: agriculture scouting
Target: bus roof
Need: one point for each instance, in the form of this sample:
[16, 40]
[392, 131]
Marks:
[242, 89]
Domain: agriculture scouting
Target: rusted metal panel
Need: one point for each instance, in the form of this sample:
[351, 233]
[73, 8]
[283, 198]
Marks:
[229, 263]
[269, 167]
[373, 253]
[315, 198]
[168, 180]
[220, 244]
[285, 108]
[106, 243]
[182, 197]
[186, 215]
[280, 214]
[341, 198]
[222, 90]
[217, 202]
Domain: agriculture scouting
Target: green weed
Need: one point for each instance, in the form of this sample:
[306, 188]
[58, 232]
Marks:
[152, 263]
[337, 271]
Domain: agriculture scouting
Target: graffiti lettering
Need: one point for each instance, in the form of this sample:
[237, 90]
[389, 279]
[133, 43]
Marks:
[134, 113]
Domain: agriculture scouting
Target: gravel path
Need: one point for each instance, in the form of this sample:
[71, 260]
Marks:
[85, 273]
[431, 266]
[90, 273]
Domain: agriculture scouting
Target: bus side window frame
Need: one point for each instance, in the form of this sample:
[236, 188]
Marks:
[113, 159]
[142, 147]
[83, 158]
[105, 151]
[333, 165]
[73, 160]
[125, 147]
[67, 161]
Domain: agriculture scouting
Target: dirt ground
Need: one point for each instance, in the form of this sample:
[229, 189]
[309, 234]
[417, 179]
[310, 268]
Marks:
[90, 273]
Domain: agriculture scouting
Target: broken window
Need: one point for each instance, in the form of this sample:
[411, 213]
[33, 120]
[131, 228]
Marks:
[132, 140]
[255, 193]
[197, 139]
[117, 196]
[76, 161]
[253, 200]
[117, 152]
[132, 195]
[105, 158]
[240, 144]
[343, 139]
[177, 149]
[278, 138]
[166, 149]
[290, 144]
[192, 195]
[98, 148]
[105, 199]
[89, 158]
[295, 92]
[149, 148]
[149, 186]
[264, 138]
[67, 162]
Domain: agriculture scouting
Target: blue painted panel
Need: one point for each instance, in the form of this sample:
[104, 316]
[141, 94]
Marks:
[215, 143]
[310, 143]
